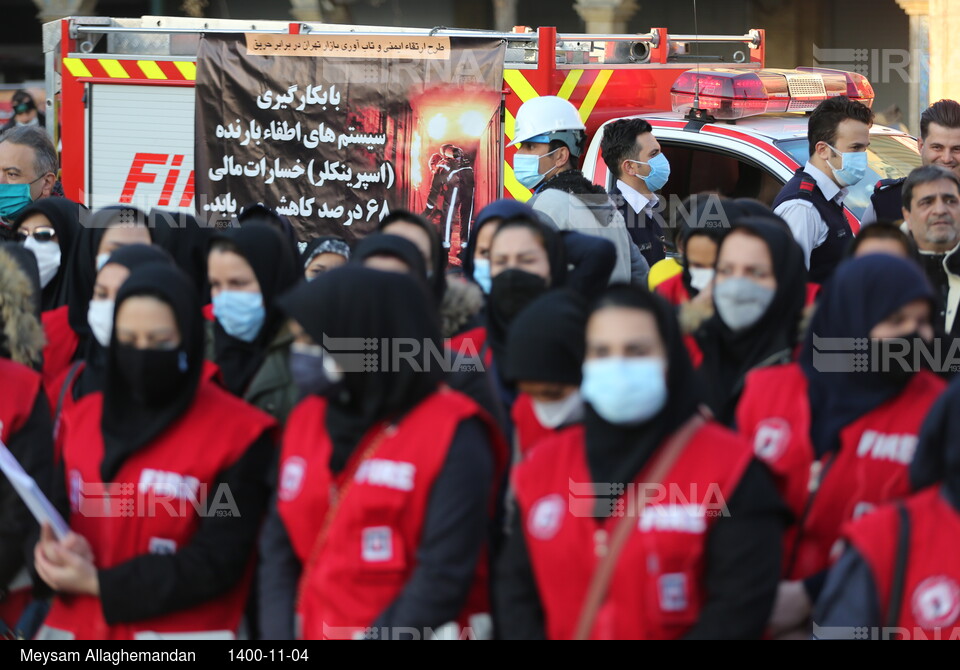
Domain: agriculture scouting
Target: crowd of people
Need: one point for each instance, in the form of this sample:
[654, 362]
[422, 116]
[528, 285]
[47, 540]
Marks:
[571, 435]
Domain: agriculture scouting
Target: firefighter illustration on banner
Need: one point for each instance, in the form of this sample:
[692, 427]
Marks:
[453, 181]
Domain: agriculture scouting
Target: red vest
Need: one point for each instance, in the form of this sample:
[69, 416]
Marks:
[61, 346]
[471, 343]
[870, 468]
[21, 386]
[354, 570]
[151, 506]
[657, 590]
[528, 428]
[930, 605]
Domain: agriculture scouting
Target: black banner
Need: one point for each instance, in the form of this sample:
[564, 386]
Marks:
[337, 132]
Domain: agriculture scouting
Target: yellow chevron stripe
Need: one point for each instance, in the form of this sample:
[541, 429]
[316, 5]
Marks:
[188, 69]
[151, 70]
[76, 67]
[519, 85]
[113, 68]
[513, 187]
[569, 84]
[593, 95]
[509, 125]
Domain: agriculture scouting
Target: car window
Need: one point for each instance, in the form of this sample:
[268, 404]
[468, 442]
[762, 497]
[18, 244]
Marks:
[889, 157]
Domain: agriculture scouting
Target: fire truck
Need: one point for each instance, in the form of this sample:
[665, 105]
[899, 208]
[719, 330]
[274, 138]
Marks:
[120, 92]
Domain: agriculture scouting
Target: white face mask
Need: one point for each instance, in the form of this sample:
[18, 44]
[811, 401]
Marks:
[700, 278]
[560, 412]
[48, 258]
[100, 318]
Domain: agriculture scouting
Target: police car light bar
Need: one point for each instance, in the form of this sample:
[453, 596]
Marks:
[727, 94]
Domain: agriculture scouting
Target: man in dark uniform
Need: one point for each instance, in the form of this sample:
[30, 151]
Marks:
[812, 201]
[633, 156]
[939, 144]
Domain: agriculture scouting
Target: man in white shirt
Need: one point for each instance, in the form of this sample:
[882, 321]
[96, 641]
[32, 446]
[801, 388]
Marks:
[634, 157]
[812, 201]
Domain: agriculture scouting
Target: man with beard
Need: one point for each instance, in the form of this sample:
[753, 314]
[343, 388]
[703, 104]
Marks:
[931, 209]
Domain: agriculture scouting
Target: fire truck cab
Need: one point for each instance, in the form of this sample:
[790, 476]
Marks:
[751, 135]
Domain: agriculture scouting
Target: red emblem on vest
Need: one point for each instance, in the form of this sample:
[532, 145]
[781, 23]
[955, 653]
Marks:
[546, 516]
[771, 439]
[936, 602]
[291, 478]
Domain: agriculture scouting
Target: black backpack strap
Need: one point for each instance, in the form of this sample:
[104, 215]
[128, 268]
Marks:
[900, 567]
[67, 386]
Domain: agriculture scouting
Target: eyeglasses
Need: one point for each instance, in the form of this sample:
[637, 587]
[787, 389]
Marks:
[22, 107]
[42, 234]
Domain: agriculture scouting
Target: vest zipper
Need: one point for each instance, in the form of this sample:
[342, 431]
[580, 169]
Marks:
[818, 471]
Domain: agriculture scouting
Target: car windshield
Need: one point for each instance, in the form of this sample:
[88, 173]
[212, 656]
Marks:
[889, 157]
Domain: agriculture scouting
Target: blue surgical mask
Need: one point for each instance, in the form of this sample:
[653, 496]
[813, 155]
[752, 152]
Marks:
[853, 167]
[102, 260]
[14, 198]
[625, 391]
[659, 172]
[314, 371]
[481, 274]
[241, 313]
[526, 168]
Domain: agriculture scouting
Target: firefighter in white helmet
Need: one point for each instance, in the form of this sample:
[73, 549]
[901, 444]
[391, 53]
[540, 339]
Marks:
[551, 139]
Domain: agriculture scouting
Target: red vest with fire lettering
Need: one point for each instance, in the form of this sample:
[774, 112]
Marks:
[930, 604]
[356, 566]
[657, 589]
[153, 505]
[870, 468]
[21, 386]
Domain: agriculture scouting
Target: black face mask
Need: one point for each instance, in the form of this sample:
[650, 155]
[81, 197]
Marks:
[913, 358]
[512, 290]
[310, 376]
[154, 376]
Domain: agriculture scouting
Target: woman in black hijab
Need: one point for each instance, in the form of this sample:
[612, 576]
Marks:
[261, 215]
[641, 415]
[157, 428]
[391, 253]
[476, 256]
[249, 268]
[823, 423]
[64, 217]
[187, 242]
[861, 587]
[87, 374]
[323, 254]
[758, 298]
[427, 238]
[373, 404]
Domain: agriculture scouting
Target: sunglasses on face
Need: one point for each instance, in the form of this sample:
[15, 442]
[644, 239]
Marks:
[42, 234]
[22, 107]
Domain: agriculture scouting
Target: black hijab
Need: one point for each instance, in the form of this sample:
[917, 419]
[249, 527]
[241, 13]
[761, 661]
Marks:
[499, 319]
[127, 423]
[861, 293]
[728, 355]
[937, 458]
[269, 254]
[64, 216]
[498, 210]
[617, 454]
[360, 303]
[383, 244]
[261, 215]
[94, 355]
[187, 242]
[710, 217]
[83, 266]
[546, 342]
[438, 255]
